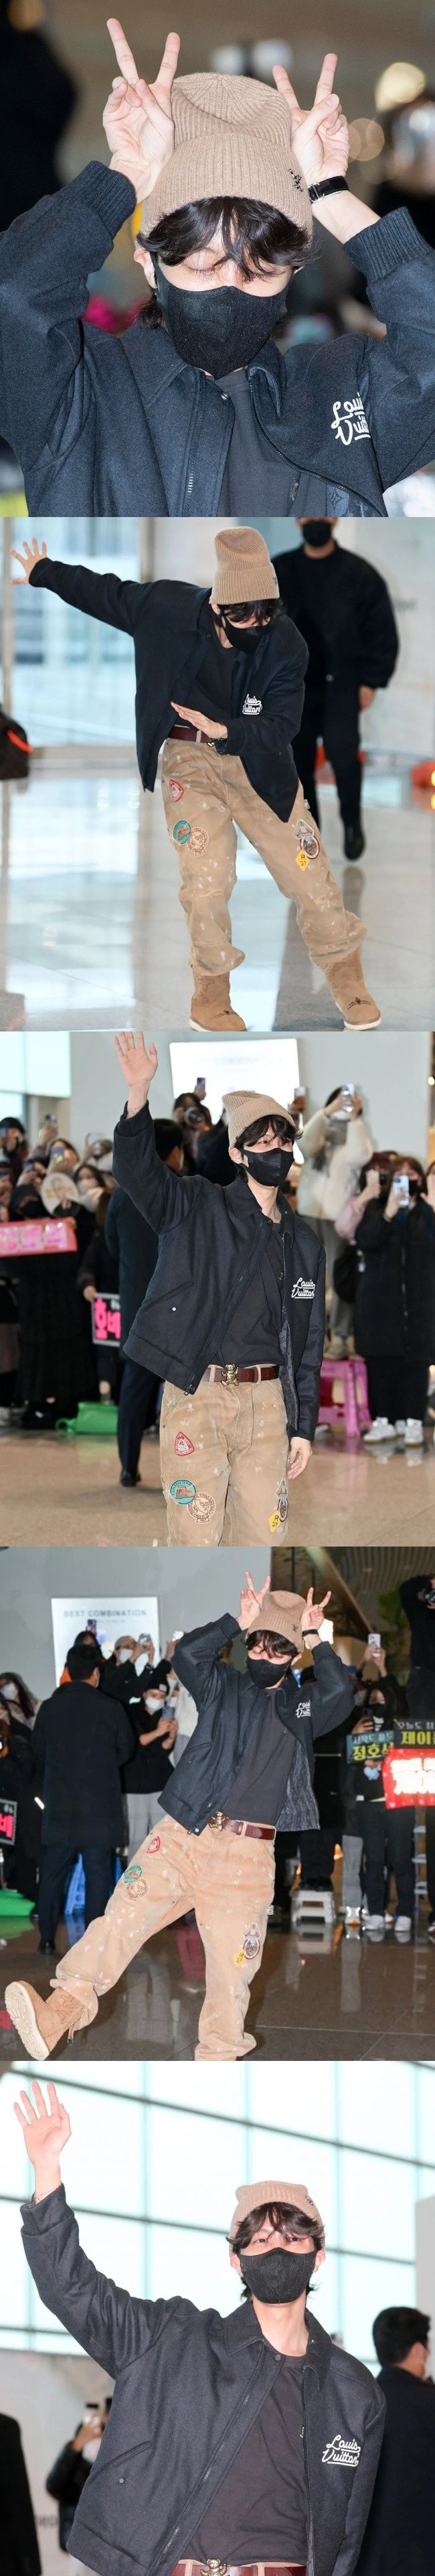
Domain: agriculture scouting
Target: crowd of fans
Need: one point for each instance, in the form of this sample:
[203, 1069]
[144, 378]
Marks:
[86, 1768]
[373, 1209]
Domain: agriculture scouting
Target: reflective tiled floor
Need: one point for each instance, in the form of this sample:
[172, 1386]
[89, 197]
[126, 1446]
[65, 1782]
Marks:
[102, 935]
[331, 1997]
[56, 1491]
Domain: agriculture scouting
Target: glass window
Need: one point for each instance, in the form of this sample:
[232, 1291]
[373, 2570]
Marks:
[104, 2160]
[367, 2287]
[426, 2113]
[377, 2108]
[377, 2205]
[193, 2167]
[187, 2268]
[299, 2099]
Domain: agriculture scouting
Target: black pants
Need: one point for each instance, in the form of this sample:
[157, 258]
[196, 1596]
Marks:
[397, 1388]
[388, 1844]
[136, 1409]
[317, 1859]
[331, 710]
[57, 1861]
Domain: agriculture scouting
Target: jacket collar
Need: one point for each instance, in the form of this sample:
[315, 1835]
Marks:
[243, 2328]
[245, 1198]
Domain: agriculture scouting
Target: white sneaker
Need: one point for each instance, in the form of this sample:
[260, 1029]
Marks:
[412, 1432]
[381, 1429]
[375, 1926]
[5, 1417]
[403, 1927]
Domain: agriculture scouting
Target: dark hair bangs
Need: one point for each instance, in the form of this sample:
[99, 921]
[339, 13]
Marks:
[285, 2216]
[284, 1129]
[256, 236]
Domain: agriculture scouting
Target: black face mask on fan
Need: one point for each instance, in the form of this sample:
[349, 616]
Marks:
[217, 327]
[277, 2277]
[273, 1167]
[316, 532]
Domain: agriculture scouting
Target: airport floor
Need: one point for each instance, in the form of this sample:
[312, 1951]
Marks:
[103, 937]
[327, 1995]
[59, 1492]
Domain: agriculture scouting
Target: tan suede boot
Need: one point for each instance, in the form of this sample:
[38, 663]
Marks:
[347, 983]
[211, 1006]
[42, 2025]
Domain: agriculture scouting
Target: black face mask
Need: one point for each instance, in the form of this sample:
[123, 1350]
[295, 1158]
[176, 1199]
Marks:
[277, 2277]
[316, 532]
[266, 1673]
[217, 327]
[273, 1167]
[245, 639]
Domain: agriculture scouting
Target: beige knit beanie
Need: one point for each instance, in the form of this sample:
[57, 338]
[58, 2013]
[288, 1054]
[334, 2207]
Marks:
[254, 2195]
[244, 569]
[244, 1107]
[282, 1612]
[232, 139]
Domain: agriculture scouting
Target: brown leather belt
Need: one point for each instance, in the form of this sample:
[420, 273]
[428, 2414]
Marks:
[223, 2567]
[235, 1825]
[188, 733]
[232, 1376]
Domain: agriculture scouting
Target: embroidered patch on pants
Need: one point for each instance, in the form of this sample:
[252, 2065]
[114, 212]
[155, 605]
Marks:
[182, 1491]
[198, 838]
[154, 1843]
[251, 1946]
[134, 1881]
[175, 790]
[184, 1448]
[308, 843]
[203, 1507]
[181, 830]
[280, 1515]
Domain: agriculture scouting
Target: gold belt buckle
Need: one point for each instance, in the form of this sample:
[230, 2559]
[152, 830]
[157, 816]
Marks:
[230, 1374]
[218, 1821]
[216, 2567]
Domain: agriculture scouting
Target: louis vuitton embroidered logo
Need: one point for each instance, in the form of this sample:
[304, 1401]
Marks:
[304, 1288]
[252, 706]
[349, 420]
[341, 2453]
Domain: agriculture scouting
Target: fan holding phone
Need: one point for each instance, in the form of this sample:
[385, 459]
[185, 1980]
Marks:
[395, 1296]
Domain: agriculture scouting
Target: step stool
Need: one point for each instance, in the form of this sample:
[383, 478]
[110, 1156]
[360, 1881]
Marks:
[312, 1908]
[343, 1395]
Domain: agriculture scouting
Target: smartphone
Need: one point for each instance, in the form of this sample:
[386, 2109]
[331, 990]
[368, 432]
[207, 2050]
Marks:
[201, 1086]
[374, 1640]
[401, 1185]
[326, 1632]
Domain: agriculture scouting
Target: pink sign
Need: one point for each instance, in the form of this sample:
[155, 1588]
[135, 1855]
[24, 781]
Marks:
[106, 1318]
[409, 1779]
[38, 1234]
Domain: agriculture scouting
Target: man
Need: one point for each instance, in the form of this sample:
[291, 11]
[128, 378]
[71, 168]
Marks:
[143, 1686]
[219, 681]
[20, 2546]
[80, 1738]
[204, 415]
[233, 1318]
[248, 2439]
[398, 2540]
[343, 608]
[132, 1245]
[247, 1769]
[418, 1602]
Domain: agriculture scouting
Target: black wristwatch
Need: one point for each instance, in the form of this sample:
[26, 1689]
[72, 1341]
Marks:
[327, 188]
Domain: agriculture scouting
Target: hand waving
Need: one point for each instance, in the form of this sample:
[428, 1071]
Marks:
[139, 1063]
[32, 554]
[138, 117]
[46, 2131]
[320, 134]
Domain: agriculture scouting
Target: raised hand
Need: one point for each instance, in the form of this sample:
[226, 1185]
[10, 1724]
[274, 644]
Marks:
[138, 118]
[46, 2130]
[138, 1062]
[320, 134]
[314, 1611]
[32, 554]
[251, 1603]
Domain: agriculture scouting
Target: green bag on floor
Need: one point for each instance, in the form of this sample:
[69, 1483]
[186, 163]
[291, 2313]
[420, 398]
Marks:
[12, 1903]
[93, 1421]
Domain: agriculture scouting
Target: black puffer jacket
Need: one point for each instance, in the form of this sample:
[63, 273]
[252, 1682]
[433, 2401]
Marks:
[105, 426]
[79, 1741]
[206, 1233]
[354, 615]
[395, 1294]
[189, 2385]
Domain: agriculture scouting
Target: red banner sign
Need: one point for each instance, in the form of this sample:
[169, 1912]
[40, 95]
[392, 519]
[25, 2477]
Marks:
[38, 1234]
[106, 1319]
[409, 1778]
[8, 1820]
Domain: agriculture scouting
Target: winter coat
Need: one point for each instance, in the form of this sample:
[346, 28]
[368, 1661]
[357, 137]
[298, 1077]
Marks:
[330, 1170]
[395, 1293]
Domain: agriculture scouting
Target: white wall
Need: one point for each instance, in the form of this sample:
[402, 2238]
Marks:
[425, 2261]
[192, 1586]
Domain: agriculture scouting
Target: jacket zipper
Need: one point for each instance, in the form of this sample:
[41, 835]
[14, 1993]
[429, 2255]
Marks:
[306, 2473]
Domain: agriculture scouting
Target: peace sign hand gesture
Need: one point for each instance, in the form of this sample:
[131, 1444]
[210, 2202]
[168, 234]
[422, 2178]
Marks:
[250, 1603]
[138, 117]
[319, 135]
[314, 1611]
